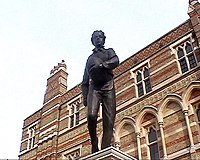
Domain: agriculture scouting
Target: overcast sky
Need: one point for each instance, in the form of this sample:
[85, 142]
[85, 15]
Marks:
[35, 35]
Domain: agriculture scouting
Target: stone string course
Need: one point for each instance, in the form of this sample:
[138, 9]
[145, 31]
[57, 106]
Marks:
[131, 111]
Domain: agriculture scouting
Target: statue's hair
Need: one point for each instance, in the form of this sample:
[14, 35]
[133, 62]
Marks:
[100, 31]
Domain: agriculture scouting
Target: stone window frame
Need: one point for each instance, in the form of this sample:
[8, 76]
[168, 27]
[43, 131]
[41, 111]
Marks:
[197, 113]
[150, 144]
[31, 136]
[146, 87]
[181, 44]
[74, 107]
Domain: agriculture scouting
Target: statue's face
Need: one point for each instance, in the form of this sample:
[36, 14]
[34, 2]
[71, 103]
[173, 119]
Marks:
[98, 39]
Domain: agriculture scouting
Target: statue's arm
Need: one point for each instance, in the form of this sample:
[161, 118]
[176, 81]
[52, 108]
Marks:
[85, 86]
[113, 60]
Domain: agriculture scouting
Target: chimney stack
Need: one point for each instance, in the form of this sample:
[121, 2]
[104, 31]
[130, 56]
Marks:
[57, 82]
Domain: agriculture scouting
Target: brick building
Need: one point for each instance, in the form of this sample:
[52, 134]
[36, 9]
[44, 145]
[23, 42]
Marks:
[158, 104]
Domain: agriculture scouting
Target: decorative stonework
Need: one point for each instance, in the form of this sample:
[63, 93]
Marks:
[71, 94]
[72, 133]
[32, 118]
[136, 107]
[153, 48]
[30, 154]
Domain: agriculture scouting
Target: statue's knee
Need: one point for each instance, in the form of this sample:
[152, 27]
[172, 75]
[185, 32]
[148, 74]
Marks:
[92, 117]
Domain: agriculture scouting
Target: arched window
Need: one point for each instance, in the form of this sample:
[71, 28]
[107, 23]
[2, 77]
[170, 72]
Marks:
[143, 81]
[31, 136]
[139, 76]
[146, 72]
[180, 52]
[182, 60]
[140, 84]
[74, 109]
[186, 56]
[188, 48]
[153, 144]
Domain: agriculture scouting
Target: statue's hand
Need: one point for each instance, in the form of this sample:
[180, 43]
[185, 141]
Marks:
[98, 62]
[101, 65]
[96, 66]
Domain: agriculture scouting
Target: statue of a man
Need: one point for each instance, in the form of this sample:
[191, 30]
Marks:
[98, 88]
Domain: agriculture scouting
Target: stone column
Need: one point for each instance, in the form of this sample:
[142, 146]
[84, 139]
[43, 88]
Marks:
[163, 141]
[138, 145]
[192, 147]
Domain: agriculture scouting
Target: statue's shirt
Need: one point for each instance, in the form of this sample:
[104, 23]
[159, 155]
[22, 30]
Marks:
[98, 70]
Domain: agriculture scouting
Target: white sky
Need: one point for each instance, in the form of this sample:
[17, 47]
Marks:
[35, 35]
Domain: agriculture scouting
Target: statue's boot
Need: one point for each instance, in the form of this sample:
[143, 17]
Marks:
[92, 124]
[95, 147]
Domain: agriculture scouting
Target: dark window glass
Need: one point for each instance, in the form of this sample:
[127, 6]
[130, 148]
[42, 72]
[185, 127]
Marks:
[31, 133]
[180, 52]
[71, 121]
[153, 147]
[77, 118]
[192, 61]
[72, 109]
[146, 72]
[143, 81]
[198, 114]
[140, 89]
[147, 85]
[184, 66]
[139, 77]
[33, 141]
[77, 108]
[188, 48]
[152, 135]
[30, 143]
[154, 152]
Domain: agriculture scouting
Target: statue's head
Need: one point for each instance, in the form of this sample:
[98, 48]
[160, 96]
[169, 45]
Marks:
[98, 38]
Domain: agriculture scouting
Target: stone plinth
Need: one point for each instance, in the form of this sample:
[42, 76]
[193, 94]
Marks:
[109, 153]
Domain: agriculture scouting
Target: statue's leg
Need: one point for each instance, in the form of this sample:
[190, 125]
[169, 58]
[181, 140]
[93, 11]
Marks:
[109, 112]
[92, 115]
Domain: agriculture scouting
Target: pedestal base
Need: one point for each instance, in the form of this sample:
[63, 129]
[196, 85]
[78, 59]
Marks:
[109, 153]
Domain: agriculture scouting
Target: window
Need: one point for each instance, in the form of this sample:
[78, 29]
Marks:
[31, 137]
[153, 144]
[143, 81]
[198, 115]
[74, 109]
[74, 155]
[186, 56]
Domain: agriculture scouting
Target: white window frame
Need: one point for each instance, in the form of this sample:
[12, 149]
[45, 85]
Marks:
[174, 49]
[134, 76]
[31, 136]
[74, 103]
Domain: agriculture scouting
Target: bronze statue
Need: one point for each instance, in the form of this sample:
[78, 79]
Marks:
[98, 88]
